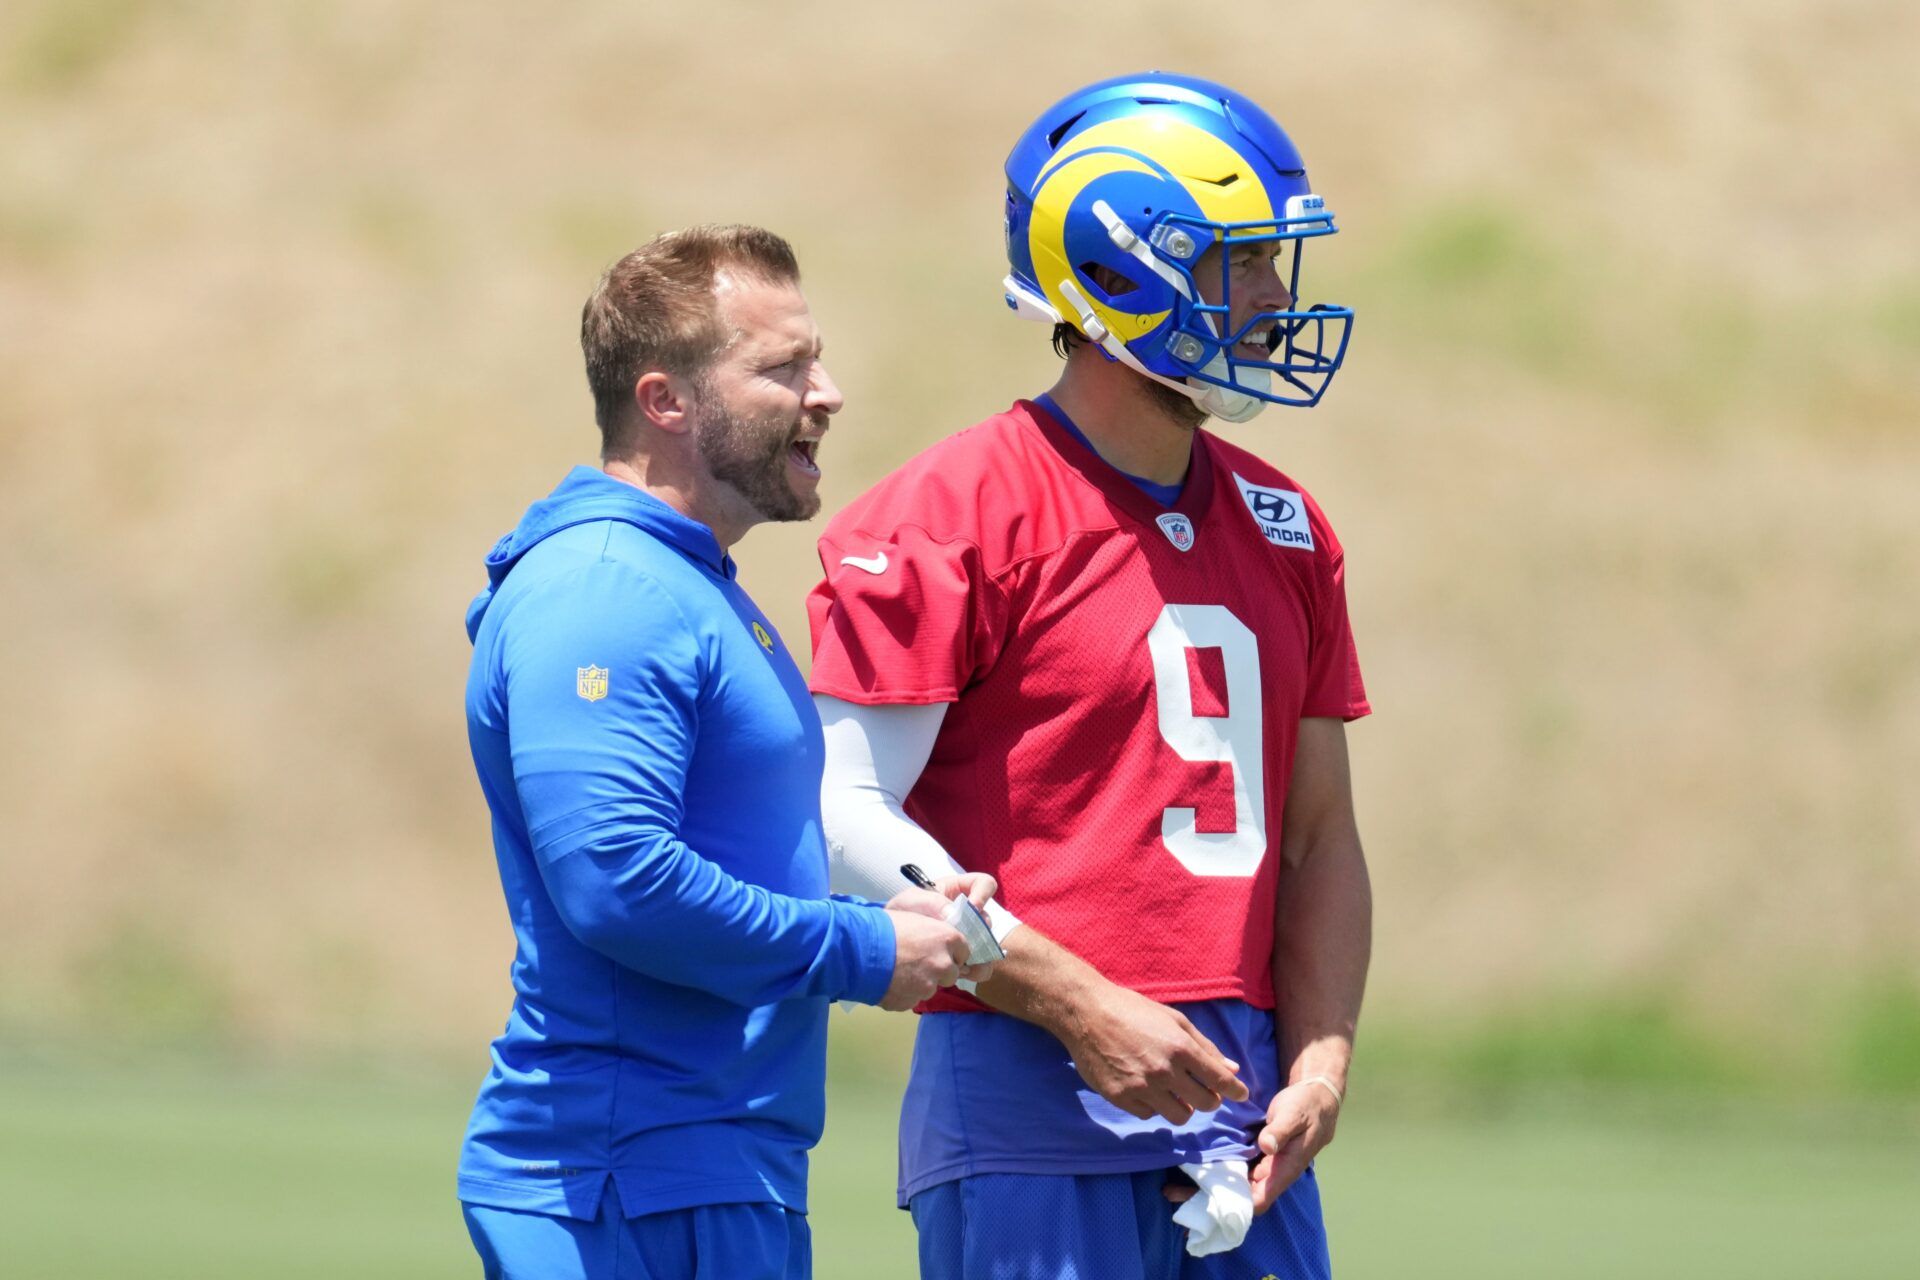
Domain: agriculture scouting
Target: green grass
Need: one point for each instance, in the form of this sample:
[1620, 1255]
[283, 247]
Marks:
[1859, 1038]
[181, 1170]
[1604, 1192]
[1625, 1040]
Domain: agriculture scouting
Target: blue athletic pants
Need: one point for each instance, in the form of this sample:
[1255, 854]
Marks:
[1113, 1226]
[711, 1242]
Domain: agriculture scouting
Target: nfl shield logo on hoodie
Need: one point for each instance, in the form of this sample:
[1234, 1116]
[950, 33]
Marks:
[1178, 528]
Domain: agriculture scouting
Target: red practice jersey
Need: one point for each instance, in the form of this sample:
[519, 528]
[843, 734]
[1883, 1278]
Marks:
[1127, 684]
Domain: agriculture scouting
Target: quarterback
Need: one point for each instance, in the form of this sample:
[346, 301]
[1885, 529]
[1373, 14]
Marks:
[1094, 650]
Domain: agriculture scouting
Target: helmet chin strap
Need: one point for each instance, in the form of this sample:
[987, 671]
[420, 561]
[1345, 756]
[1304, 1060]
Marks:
[1224, 402]
[1217, 401]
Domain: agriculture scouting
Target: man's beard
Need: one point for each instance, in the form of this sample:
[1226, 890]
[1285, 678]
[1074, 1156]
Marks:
[1175, 404]
[750, 454]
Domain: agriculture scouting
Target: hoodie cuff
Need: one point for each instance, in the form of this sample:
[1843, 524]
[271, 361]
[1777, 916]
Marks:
[866, 943]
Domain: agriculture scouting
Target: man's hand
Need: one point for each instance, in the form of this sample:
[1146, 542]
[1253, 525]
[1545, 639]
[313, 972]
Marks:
[1300, 1122]
[976, 885]
[1147, 1059]
[928, 953]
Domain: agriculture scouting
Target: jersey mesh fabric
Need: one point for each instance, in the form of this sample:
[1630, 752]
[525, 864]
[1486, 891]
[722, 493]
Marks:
[1021, 577]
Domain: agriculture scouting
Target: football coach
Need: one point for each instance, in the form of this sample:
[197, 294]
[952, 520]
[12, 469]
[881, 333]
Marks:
[652, 760]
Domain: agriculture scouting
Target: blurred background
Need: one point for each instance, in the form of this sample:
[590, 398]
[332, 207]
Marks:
[1625, 457]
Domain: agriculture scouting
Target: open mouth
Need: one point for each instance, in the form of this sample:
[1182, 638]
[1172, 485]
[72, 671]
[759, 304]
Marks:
[1257, 345]
[805, 455]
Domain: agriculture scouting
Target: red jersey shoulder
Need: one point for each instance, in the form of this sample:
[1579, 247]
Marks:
[1280, 505]
[998, 485]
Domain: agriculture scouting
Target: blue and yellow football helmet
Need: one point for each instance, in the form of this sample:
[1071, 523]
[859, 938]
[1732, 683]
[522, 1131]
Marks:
[1129, 181]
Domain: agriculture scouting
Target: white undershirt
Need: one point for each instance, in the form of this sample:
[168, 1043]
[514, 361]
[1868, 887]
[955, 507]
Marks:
[874, 756]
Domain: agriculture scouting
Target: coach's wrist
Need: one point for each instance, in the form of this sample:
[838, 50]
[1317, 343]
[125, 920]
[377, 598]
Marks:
[869, 950]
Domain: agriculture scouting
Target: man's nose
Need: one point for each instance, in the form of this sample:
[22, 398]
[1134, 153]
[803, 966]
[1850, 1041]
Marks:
[822, 392]
[1272, 293]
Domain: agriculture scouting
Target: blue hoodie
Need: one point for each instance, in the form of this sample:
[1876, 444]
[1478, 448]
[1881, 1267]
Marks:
[652, 762]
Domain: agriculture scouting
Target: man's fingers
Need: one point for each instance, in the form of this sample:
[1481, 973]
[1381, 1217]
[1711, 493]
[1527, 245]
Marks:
[1282, 1129]
[1287, 1168]
[1194, 1094]
[1170, 1107]
[1205, 1043]
[1210, 1066]
[977, 886]
[977, 973]
[1148, 1102]
[1273, 1174]
[919, 902]
[1214, 1070]
[1265, 1190]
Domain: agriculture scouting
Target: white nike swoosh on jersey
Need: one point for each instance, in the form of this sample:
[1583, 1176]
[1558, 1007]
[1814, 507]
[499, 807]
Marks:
[872, 564]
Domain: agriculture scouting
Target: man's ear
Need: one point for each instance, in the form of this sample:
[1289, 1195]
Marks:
[665, 400]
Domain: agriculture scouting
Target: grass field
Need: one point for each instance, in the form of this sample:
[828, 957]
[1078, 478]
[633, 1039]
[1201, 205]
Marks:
[184, 1171]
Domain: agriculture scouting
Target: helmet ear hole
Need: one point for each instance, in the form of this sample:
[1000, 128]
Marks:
[1112, 284]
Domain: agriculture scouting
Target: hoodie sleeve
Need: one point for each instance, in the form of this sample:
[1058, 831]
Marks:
[601, 780]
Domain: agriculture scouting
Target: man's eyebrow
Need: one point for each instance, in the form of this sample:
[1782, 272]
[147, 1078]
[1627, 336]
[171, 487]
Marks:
[772, 349]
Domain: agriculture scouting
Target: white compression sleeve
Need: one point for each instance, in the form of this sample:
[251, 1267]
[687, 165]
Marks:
[874, 756]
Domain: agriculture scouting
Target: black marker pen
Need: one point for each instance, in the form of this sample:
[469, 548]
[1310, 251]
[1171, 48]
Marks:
[982, 946]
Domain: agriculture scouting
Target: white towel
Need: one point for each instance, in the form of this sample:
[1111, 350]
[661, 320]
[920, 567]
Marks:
[1218, 1216]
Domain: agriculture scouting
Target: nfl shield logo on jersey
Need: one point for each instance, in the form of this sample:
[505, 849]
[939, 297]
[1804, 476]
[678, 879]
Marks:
[1178, 528]
[591, 682]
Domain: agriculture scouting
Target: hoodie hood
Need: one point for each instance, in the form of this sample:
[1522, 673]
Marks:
[589, 494]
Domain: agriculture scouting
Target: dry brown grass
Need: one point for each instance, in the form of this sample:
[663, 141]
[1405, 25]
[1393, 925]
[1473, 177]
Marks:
[1625, 458]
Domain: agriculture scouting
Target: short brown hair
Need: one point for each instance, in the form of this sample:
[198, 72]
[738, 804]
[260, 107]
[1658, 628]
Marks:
[654, 309]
